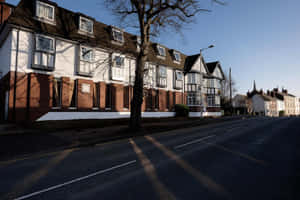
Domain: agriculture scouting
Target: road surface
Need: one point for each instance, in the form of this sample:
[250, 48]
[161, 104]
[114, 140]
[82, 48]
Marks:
[256, 158]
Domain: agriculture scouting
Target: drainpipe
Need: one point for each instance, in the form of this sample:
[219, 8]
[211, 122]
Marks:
[15, 77]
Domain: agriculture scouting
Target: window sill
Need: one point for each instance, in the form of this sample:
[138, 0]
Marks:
[85, 74]
[117, 43]
[72, 108]
[56, 108]
[44, 20]
[42, 67]
[161, 57]
[81, 32]
[95, 108]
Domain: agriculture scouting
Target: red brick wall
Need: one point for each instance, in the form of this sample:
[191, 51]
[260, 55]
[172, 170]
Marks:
[102, 95]
[162, 100]
[65, 102]
[40, 99]
[84, 99]
[118, 97]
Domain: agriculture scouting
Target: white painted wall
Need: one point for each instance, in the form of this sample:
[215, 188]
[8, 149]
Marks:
[258, 104]
[67, 59]
[5, 55]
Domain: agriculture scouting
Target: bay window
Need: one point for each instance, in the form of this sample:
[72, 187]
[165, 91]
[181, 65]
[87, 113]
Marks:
[86, 64]
[193, 98]
[44, 54]
[178, 83]
[162, 76]
[118, 68]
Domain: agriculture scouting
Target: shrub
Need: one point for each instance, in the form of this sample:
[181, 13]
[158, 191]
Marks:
[281, 113]
[181, 110]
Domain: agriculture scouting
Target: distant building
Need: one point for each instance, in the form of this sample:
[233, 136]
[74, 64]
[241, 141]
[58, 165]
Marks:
[289, 101]
[242, 104]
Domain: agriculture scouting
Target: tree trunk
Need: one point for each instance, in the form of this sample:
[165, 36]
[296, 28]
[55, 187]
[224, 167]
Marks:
[137, 101]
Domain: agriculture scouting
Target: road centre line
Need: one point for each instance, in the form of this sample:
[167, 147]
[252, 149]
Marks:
[75, 180]
[193, 142]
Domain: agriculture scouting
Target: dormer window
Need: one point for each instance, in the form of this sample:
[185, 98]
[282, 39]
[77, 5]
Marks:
[117, 35]
[86, 25]
[161, 50]
[176, 56]
[45, 11]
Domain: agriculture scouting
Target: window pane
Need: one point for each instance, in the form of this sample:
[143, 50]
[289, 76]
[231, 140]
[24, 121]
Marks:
[119, 61]
[44, 44]
[50, 61]
[118, 35]
[44, 59]
[87, 54]
[162, 71]
[37, 58]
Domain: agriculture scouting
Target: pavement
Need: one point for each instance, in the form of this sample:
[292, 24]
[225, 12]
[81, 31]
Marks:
[255, 158]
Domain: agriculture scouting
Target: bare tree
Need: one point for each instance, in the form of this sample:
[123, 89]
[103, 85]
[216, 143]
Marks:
[225, 90]
[150, 17]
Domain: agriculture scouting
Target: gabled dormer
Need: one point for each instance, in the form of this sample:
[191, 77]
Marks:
[45, 11]
[117, 35]
[85, 25]
[161, 51]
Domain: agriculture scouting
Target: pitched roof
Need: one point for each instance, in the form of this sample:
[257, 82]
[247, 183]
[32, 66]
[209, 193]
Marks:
[67, 27]
[190, 61]
[211, 66]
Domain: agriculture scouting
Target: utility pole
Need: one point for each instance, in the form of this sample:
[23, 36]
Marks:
[230, 88]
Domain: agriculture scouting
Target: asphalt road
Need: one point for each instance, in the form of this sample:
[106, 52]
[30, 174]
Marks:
[255, 158]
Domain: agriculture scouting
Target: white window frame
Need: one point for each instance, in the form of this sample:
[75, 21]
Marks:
[178, 57]
[114, 31]
[41, 54]
[88, 20]
[118, 71]
[163, 53]
[40, 3]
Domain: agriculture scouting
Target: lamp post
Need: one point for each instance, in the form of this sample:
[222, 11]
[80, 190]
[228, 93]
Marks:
[201, 83]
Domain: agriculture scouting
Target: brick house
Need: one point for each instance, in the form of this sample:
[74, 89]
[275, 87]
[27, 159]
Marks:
[58, 65]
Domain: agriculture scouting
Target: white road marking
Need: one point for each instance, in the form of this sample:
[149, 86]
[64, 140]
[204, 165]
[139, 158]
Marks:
[75, 180]
[193, 142]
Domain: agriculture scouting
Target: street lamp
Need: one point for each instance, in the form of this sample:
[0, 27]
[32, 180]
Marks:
[201, 83]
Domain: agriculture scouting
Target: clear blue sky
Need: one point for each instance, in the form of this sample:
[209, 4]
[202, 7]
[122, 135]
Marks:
[258, 39]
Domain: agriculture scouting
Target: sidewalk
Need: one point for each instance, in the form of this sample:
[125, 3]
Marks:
[17, 141]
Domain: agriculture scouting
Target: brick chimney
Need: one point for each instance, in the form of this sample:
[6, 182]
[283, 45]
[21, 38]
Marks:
[5, 10]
